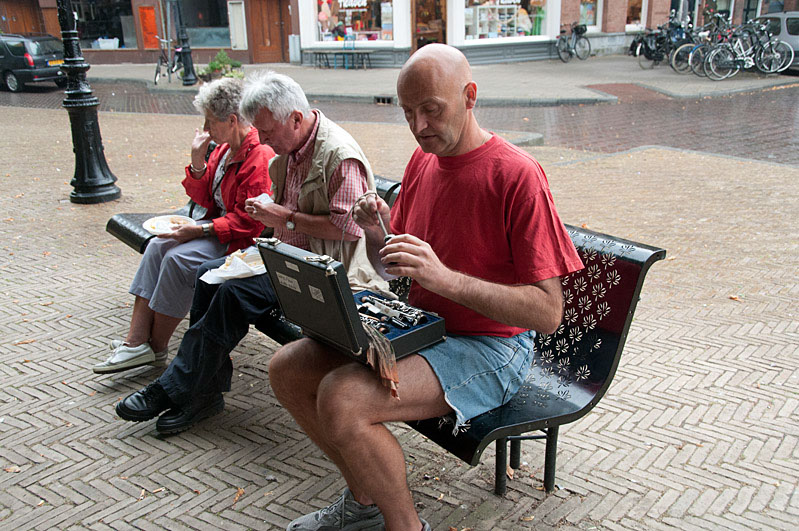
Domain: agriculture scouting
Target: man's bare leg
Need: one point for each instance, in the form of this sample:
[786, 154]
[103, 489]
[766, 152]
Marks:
[342, 408]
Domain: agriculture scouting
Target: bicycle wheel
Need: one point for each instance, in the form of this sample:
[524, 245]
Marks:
[768, 59]
[582, 48]
[786, 52]
[563, 49]
[645, 57]
[697, 59]
[679, 59]
[157, 75]
[720, 64]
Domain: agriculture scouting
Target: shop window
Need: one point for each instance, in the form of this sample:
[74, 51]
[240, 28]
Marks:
[362, 20]
[492, 19]
[589, 12]
[634, 14]
[206, 23]
[105, 24]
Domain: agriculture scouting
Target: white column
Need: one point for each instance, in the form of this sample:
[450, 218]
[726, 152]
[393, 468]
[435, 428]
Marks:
[402, 23]
[307, 12]
[553, 18]
[456, 22]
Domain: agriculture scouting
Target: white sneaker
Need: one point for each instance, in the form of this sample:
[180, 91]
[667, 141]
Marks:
[125, 357]
[116, 343]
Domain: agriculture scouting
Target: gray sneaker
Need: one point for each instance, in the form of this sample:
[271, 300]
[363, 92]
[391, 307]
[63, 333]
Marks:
[425, 525]
[345, 514]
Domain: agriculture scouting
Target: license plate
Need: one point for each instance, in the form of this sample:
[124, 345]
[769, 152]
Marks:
[55, 62]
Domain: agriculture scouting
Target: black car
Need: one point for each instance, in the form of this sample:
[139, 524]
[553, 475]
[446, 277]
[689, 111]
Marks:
[29, 58]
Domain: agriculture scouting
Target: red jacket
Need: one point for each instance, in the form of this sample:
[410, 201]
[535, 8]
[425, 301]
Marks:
[247, 175]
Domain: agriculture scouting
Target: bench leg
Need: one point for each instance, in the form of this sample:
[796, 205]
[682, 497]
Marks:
[515, 453]
[500, 479]
[549, 458]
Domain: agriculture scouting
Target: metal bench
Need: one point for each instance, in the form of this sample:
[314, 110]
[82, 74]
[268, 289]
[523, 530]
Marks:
[572, 368]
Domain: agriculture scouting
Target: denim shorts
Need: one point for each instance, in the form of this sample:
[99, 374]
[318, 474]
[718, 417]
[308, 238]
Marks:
[479, 373]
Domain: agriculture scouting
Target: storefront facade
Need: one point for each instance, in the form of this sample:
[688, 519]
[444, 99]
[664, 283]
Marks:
[487, 31]
[127, 31]
[265, 31]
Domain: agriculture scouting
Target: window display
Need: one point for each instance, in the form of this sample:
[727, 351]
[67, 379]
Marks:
[588, 15]
[492, 19]
[634, 12]
[363, 20]
[206, 23]
[105, 24]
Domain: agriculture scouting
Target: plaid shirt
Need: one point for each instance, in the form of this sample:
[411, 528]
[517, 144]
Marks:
[345, 186]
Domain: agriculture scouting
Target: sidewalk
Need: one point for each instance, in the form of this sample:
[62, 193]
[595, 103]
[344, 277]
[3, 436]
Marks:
[530, 83]
[699, 429]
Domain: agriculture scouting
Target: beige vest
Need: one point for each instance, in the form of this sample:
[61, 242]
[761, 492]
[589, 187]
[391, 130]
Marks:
[332, 146]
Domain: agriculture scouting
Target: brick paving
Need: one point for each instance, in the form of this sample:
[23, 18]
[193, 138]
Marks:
[698, 431]
[758, 125]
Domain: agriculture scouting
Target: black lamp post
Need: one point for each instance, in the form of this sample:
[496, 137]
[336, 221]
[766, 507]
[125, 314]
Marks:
[189, 76]
[93, 182]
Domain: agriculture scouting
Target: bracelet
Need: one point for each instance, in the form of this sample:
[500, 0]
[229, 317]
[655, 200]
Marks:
[195, 170]
[207, 229]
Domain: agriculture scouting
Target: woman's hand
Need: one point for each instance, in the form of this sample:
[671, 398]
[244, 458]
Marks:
[199, 147]
[184, 233]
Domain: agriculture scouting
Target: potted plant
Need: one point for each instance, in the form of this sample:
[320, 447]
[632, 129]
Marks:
[221, 66]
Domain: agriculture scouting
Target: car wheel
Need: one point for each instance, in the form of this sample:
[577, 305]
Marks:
[12, 82]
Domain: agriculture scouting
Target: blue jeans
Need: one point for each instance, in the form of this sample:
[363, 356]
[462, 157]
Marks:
[220, 317]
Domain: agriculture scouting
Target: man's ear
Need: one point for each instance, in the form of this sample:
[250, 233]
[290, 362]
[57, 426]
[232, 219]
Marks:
[470, 94]
[296, 119]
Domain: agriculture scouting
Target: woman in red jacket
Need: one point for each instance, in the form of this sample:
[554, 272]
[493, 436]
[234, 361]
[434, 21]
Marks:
[164, 283]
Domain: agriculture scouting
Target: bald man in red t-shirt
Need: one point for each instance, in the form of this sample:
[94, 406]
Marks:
[477, 231]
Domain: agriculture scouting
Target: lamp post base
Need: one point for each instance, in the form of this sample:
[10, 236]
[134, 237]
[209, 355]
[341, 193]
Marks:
[101, 194]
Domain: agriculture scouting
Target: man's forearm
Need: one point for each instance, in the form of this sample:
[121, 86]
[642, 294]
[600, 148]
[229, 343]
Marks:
[536, 306]
[319, 227]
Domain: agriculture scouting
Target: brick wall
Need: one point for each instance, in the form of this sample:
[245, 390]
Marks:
[614, 16]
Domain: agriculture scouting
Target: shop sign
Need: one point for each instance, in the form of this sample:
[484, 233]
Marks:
[346, 4]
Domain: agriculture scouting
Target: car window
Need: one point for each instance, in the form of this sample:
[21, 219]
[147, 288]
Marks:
[45, 47]
[16, 47]
[792, 25]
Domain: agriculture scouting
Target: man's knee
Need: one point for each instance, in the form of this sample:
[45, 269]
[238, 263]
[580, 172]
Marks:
[341, 402]
[285, 369]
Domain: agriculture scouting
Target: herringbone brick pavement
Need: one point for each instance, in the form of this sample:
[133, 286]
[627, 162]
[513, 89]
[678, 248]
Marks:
[698, 431]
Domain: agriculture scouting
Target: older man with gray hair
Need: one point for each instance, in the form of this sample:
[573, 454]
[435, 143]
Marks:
[317, 176]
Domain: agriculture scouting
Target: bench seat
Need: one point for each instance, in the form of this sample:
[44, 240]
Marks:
[572, 368]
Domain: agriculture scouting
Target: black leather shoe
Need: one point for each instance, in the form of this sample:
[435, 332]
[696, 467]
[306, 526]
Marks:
[182, 418]
[145, 404]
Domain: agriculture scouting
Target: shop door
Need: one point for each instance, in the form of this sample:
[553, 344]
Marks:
[20, 17]
[429, 21]
[268, 31]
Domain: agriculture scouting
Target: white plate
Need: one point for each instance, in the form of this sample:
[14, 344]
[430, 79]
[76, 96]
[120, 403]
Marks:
[166, 224]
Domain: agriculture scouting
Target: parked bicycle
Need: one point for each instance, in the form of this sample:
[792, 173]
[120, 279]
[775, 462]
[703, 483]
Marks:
[165, 63]
[574, 44]
[656, 46]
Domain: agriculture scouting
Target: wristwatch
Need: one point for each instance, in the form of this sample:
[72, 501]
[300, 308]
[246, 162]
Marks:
[290, 221]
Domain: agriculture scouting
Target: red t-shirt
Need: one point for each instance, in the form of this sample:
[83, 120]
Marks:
[488, 214]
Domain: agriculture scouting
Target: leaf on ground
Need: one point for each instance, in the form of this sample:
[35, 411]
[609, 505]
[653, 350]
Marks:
[528, 518]
[239, 494]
